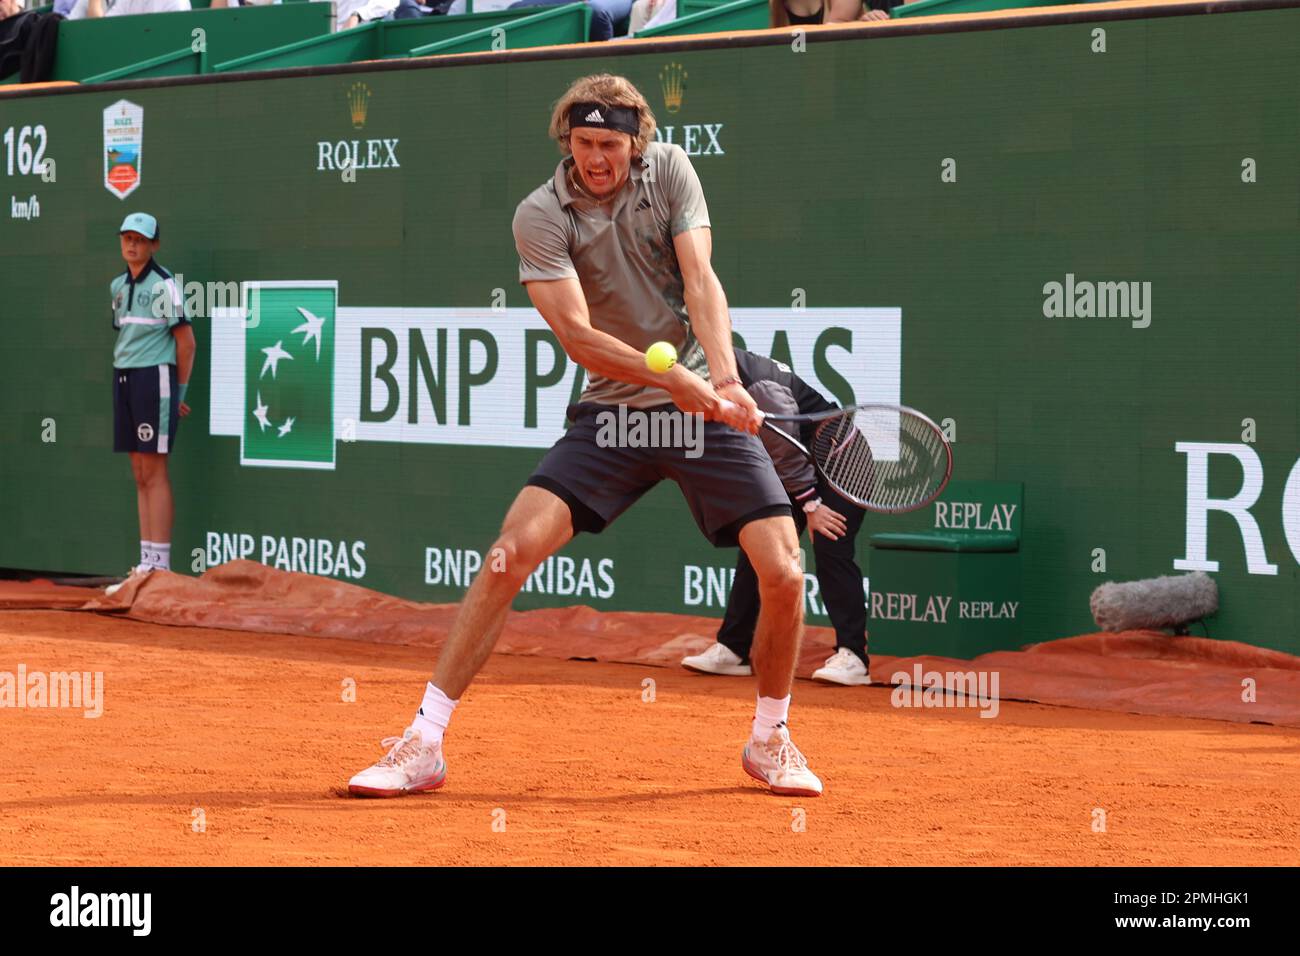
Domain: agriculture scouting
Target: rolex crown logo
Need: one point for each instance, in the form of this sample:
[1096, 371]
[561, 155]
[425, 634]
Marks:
[672, 80]
[358, 104]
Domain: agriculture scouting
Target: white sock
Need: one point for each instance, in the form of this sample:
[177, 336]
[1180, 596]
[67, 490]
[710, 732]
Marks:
[434, 714]
[770, 713]
[146, 553]
[162, 555]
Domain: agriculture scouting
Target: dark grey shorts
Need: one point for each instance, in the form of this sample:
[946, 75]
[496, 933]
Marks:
[731, 482]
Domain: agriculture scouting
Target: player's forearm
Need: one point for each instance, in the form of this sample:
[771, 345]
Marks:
[706, 304]
[602, 354]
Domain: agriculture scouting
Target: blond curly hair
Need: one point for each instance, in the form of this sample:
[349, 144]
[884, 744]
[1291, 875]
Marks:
[609, 90]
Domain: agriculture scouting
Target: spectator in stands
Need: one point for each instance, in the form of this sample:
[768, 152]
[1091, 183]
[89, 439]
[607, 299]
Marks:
[9, 8]
[223, 4]
[643, 11]
[604, 14]
[90, 9]
[353, 13]
[785, 13]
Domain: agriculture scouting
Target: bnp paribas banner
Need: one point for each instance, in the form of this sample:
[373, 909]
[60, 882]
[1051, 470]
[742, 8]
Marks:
[294, 372]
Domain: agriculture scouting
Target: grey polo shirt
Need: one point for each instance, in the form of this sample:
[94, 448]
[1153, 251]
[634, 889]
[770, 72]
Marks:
[623, 256]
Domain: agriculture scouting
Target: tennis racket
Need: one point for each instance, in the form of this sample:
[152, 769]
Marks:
[885, 458]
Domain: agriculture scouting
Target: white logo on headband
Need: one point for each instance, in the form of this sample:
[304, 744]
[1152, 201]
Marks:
[595, 117]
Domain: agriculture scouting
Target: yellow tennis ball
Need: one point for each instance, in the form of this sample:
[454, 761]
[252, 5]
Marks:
[660, 357]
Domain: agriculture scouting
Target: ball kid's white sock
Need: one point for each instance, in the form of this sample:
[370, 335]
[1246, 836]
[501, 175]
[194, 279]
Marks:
[770, 713]
[162, 555]
[146, 553]
[434, 714]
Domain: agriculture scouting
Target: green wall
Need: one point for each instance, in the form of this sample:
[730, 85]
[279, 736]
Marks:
[824, 173]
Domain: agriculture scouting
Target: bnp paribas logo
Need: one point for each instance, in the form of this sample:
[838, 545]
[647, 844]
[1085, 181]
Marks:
[698, 139]
[288, 372]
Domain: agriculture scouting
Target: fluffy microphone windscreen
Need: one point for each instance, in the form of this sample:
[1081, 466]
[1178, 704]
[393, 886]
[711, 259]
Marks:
[1169, 601]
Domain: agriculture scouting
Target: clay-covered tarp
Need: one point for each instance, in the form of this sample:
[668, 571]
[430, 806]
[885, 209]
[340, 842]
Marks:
[1143, 672]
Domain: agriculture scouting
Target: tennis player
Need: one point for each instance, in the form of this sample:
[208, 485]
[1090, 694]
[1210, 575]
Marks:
[152, 361]
[614, 251]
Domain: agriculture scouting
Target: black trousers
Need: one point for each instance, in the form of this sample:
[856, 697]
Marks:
[838, 576]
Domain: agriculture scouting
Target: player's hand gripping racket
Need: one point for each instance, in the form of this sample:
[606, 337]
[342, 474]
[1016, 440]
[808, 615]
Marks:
[885, 458]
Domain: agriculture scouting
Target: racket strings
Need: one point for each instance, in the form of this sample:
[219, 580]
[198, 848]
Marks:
[889, 459]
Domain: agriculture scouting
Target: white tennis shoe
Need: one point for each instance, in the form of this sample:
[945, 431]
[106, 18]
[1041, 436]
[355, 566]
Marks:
[843, 667]
[778, 763]
[409, 767]
[138, 571]
[718, 659]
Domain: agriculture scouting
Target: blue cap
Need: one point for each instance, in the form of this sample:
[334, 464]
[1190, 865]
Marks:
[142, 223]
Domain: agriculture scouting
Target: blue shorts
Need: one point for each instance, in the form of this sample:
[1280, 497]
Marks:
[146, 409]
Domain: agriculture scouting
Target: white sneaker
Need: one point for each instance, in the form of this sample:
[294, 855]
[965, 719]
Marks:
[843, 667]
[408, 767]
[138, 571]
[779, 764]
[718, 659]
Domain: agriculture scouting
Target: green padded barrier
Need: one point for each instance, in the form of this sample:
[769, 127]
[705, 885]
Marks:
[925, 8]
[554, 25]
[954, 589]
[95, 47]
[347, 46]
[968, 516]
[741, 15]
[179, 63]
[950, 541]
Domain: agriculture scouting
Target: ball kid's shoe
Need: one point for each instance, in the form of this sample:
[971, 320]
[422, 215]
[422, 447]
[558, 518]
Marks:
[778, 763]
[140, 570]
[843, 667]
[718, 659]
[410, 766]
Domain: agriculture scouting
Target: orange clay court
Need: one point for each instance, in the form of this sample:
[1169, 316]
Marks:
[252, 729]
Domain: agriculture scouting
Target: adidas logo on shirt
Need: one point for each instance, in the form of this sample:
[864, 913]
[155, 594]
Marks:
[643, 204]
[595, 117]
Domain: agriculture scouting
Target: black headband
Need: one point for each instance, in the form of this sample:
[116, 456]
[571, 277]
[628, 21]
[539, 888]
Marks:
[600, 116]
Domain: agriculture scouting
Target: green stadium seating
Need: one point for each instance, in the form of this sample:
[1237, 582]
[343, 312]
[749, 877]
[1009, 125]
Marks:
[923, 8]
[686, 7]
[183, 62]
[400, 37]
[93, 48]
[740, 15]
[548, 26]
[348, 46]
[427, 36]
